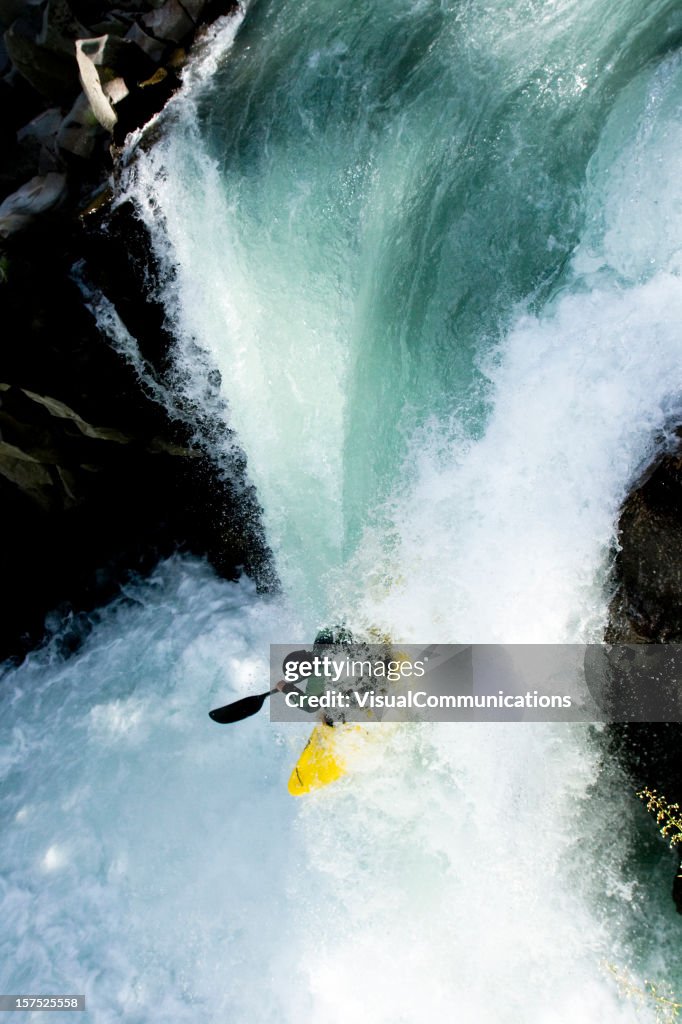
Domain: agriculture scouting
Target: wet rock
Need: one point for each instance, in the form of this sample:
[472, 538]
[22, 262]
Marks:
[154, 48]
[79, 131]
[216, 8]
[142, 103]
[38, 195]
[194, 8]
[113, 25]
[49, 452]
[171, 22]
[53, 74]
[648, 601]
[177, 59]
[38, 140]
[42, 128]
[99, 477]
[647, 608]
[60, 28]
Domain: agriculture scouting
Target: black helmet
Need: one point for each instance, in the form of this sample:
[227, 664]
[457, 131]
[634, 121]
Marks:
[334, 635]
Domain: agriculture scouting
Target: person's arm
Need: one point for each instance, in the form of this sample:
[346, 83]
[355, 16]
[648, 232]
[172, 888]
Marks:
[303, 703]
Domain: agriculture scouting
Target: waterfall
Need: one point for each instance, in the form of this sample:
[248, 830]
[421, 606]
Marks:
[432, 249]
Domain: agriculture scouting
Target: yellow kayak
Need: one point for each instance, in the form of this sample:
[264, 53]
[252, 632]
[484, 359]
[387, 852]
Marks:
[323, 760]
[327, 754]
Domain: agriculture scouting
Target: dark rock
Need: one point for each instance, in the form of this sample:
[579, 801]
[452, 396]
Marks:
[194, 9]
[38, 140]
[52, 74]
[102, 470]
[171, 22]
[97, 479]
[650, 754]
[647, 608]
[120, 260]
[10, 10]
[648, 603]
[154, 48]
[19, 103]
[4, 57]
[18, 162]
[178, 58]
[112, 25]
[216, 8]
[140, 105]
[38, 195]
[79, 131]
[60, 28]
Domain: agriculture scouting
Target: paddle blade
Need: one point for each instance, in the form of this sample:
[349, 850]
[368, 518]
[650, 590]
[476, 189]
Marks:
[239, 709]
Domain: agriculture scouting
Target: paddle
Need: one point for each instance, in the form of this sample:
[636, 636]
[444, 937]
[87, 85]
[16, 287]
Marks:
[240, 709]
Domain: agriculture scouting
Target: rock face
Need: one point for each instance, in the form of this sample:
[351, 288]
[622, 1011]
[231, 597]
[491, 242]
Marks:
[90, 65]
[97, 478]
[648, 604]
[647, 608]
[99, 474]
[35, 197]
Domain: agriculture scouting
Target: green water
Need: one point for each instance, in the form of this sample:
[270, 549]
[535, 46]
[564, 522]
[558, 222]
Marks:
[407, 175]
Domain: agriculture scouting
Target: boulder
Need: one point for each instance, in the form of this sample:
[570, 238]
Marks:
[97, 479]
[101, 51]
[51, 73]
[79, 131]
[28, 474]
[171, 22]
[4, 57]
[178, 59]
[154, 48]
[114, 25]
[19, 104]
[647, 605]
[39, 138]
[48, 451]
[60, 28]
[194, 8]
[101, 86]
[647, 609]
[43, 128]
[44, 192]
[19, 160]
[60, 411]
[10, 10]
[146, 101]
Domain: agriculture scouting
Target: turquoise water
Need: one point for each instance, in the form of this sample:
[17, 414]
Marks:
[362, 209]
[434, 252]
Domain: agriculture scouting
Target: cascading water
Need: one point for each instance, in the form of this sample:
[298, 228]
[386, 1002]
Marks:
[433, 250]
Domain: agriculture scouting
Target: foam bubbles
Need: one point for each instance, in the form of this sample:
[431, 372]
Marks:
[55, 858]
[507, 539]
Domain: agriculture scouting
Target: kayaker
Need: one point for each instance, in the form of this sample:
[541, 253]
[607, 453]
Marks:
[316, 684]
